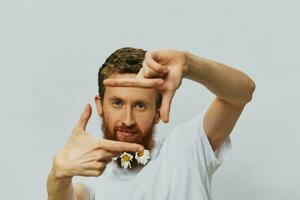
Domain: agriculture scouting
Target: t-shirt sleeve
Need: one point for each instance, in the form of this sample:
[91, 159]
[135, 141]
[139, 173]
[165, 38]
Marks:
[214, 158]
[91, 191]
[191, 138]
[88, 183]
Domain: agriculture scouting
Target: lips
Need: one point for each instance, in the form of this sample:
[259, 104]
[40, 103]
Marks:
[126, 132]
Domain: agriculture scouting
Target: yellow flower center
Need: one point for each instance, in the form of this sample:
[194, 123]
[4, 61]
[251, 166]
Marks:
[126, 158]
[141, 153]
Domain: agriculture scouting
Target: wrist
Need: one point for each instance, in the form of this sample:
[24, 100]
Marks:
[195, 67]
[57, 177]
[187, 64]
[59, 174]
[58, 170]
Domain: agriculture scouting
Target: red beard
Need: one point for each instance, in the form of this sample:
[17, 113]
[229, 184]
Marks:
[137, 137]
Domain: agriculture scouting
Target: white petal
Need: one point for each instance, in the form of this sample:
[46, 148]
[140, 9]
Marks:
[126, 164]
[144, 158]
[115, 158]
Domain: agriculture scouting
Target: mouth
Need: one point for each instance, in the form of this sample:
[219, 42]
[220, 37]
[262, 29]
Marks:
[126, 133]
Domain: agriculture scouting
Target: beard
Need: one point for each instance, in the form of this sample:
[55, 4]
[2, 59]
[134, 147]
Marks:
[145, 139]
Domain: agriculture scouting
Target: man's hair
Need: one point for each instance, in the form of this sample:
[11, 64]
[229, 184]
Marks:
[122, 61]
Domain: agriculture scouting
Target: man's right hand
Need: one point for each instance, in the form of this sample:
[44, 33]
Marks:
[84, 155]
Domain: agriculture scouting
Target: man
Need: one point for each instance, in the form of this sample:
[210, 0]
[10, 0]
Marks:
[135, 91]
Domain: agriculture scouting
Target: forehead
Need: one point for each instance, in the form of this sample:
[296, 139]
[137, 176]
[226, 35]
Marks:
[130, 93]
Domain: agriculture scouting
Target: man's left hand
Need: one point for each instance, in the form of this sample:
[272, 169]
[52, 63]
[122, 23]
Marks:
[169, 65]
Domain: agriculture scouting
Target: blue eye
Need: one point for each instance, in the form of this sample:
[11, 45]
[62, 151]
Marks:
[140, 105]
[117, 103]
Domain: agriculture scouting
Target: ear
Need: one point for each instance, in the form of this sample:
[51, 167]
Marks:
[157, 116]
[99, 105]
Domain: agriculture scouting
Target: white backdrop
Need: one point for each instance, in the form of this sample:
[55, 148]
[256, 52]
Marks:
[50, 52]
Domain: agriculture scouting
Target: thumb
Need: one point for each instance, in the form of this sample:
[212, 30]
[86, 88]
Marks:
[165, 105]
[85, 116]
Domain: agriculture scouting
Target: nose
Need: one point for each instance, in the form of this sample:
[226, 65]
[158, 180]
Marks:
[128, 119]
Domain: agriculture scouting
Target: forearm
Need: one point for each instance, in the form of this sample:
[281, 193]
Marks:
[59, 188]
[225, 82]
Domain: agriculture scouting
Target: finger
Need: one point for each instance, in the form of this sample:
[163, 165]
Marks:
[106, 161]
[96, 165]
[85, 116]
[151, 63]
[134, 82]
[116, 146]
[165, 105]
[91, 173]
[103, 155]
[150, 73]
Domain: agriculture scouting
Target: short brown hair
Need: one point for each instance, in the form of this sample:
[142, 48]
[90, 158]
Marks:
[122, 61]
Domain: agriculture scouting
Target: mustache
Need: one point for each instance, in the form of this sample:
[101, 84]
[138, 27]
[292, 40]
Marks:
[127, 129]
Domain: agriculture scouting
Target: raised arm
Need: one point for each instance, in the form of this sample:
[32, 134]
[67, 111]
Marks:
[233, 90]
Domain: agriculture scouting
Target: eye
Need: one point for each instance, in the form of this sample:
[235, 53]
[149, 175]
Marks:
[117, 103]
[140, 105]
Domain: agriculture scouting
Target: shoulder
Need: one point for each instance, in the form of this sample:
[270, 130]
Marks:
[182, 137]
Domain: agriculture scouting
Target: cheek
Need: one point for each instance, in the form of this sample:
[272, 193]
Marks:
[111, 119]
[144, 121]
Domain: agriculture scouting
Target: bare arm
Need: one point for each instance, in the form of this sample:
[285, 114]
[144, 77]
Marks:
[227, 83]
[63, 189]
[233, 90]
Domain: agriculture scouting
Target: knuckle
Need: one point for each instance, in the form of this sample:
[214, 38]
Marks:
[101, 166]
[97, 173]
[98, 165]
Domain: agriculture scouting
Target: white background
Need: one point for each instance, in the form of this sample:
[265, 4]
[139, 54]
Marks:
[50, 52]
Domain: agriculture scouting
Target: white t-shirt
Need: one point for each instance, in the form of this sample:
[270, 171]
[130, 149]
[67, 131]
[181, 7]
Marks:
[181, 167]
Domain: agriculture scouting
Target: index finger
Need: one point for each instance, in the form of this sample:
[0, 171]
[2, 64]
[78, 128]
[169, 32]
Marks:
[165, 105]
[134, 82]
[117, 146]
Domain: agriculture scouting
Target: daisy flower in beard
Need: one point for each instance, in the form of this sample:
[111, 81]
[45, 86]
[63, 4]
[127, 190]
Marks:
[143, 157]
[126, 158]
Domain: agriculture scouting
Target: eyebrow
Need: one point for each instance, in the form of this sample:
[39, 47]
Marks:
[137, 100]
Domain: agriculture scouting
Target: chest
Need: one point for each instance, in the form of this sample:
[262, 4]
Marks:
[158, 181]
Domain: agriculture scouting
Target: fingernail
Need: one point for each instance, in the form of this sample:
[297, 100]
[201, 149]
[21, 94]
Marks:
[140, 148]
